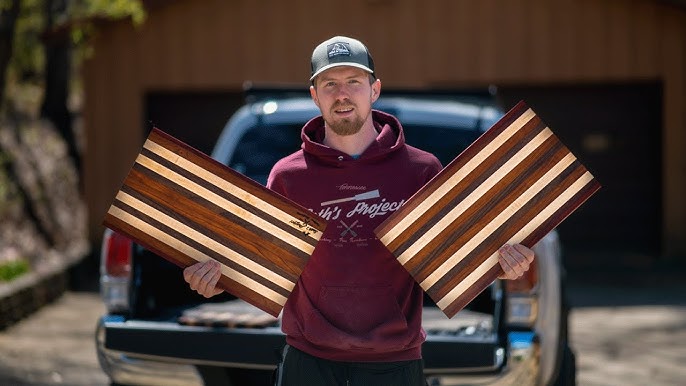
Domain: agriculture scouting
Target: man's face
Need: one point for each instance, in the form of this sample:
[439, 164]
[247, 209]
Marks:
[345, 96]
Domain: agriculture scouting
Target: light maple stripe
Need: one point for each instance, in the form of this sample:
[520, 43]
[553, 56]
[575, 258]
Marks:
[501, 218]
[463, 172]
[224, 203]
[226, 186]
[205, 240]
[523, 233]
[467, 283]
[475, 195]
[196, 255]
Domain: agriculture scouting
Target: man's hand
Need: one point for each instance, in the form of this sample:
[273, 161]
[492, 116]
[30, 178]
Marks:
[203, 278]
[515, 259]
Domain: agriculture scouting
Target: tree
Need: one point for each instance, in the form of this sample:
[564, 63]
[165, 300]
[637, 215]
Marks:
[52, 37]
[58, 53]
[40, 43]
[9, 12]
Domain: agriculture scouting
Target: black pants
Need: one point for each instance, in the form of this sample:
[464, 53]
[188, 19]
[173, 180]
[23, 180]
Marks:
[300, 369]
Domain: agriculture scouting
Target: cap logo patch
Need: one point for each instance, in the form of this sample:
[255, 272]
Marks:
[337, 49]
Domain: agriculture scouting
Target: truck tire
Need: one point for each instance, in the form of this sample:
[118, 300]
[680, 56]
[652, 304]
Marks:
[220, 376]
[567, 374]
[213, 375]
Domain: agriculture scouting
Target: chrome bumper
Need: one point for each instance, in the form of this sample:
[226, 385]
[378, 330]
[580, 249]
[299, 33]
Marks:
[126, 370]
[522, 367]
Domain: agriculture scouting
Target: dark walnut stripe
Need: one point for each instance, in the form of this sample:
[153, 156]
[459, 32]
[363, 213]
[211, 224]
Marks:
[486, 207]
[253, 294]
[512, 185]
[227, 196]
[484, 210]
[301, 223]
[227, 206]
[474, 196]
[227, 228]
[154, 231]
[212, 166]
[482, 283]
[285, 278]
[186, 207]
[468, 184]
[565, 210]
[490, 244]
[455, 167]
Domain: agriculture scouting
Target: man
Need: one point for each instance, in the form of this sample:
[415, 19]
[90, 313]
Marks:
[354, 317]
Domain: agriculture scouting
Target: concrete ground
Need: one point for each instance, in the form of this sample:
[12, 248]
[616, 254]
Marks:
[630, 333]
[54, 346]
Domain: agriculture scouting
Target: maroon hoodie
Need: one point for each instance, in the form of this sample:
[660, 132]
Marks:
[354, 301]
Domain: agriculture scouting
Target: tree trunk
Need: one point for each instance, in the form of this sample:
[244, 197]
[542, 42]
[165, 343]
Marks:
[58, 50]
[8, 18]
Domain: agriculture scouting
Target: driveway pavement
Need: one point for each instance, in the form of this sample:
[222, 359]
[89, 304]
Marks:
[629, 334]
[626, 334]
[54, 346]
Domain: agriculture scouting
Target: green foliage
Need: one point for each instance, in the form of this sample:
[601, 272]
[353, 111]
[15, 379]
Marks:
[10, 270]
[5, 4]
[28, 58]
[84, 11]
[110, 9]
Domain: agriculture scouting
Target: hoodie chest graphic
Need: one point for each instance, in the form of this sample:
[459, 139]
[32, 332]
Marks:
[354, 215]
[369, 204]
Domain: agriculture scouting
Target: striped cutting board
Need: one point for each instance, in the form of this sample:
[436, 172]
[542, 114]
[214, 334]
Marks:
[188, 208]
[514, 184]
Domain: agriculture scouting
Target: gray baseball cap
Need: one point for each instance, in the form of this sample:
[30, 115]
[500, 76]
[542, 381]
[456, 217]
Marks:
[341, 51]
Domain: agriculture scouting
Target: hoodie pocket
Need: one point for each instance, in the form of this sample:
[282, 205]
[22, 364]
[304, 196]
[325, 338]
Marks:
[358, 318]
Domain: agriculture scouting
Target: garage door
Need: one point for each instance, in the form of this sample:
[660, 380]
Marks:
[616, 131]
[195, 118]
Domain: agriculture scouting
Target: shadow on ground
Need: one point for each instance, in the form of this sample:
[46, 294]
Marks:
[613, 279]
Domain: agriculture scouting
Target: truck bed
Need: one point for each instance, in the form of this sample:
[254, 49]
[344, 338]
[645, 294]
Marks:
[203, 334]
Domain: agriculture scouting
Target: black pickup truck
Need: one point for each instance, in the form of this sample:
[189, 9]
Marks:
[158, 332]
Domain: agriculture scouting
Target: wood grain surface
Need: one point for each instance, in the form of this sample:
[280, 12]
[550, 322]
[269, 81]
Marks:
[234, 313]
[187, 208]
[514, 184]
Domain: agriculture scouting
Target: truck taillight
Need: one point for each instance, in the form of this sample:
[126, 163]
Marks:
[522, 304]
[115, 271]
[117, 259]
[524, 284]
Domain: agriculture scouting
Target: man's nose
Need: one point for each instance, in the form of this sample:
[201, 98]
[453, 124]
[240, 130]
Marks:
[342, 92]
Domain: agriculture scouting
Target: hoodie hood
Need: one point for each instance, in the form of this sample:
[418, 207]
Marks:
[391, 138]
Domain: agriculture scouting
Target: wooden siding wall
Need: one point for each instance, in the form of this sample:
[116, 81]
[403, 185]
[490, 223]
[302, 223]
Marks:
[218, 44]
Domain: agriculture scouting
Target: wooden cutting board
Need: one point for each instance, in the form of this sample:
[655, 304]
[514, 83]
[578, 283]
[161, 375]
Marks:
[232, 314]
[186, 207]
[514, 184]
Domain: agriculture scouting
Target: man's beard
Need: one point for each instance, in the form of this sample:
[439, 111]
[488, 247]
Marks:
[345, 126]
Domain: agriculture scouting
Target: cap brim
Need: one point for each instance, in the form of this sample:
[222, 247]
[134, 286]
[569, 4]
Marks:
[332, 65]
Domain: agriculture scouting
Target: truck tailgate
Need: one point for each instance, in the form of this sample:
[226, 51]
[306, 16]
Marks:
[465, 343]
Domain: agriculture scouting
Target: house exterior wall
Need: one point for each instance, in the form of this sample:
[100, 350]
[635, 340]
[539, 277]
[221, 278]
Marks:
[219, 44]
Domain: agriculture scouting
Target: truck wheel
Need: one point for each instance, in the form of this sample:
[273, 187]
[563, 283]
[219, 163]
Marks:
[567, 373]
[213, 375]
[220, 376]
[250, 377]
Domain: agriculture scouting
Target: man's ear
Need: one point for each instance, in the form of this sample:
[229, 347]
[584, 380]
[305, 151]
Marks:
[376, 90]
[313, 94]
